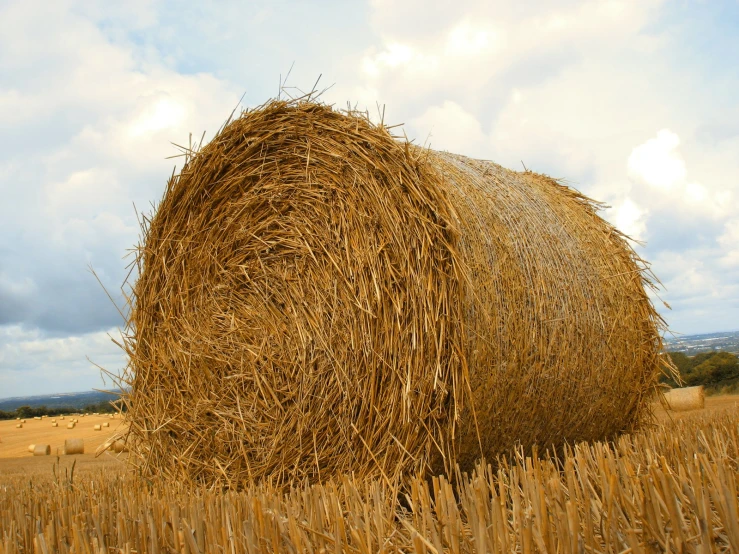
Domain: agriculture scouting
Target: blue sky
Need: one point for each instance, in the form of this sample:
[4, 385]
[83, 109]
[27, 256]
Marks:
[633, 103]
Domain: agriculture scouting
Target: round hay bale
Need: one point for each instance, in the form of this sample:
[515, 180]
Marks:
[19, 425]
[324, 299]
[74, 446]
[53, 420]
[119, 446]
[55, 424]
[31, 447]
[106, 424]
[98, 427]
[42, 450]
[38, 418]
[686, 398]
[70, 425]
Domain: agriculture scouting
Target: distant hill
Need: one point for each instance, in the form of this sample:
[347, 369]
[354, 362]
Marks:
[76, 400]
[698, 344]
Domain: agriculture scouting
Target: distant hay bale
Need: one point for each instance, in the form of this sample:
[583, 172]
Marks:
[106, 424]
[55, 424]
[98, 427]
[53, 420]
[316, 298]
[23, 420]
[42, 450]
[70, 425]
[31, 447]
[19, 425]
[37, 417]
[687, 398]
[119, 446]
[74, 446]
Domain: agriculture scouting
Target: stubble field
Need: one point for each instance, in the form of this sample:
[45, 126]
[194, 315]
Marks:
[672, 488]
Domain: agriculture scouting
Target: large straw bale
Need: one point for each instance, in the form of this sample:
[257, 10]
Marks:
[316, 297]
[686, 398]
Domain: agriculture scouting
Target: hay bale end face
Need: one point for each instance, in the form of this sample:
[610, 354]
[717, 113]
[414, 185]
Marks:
[74, 446]
[31, 447]
[686, 398]
[42, 450]
[325, 299]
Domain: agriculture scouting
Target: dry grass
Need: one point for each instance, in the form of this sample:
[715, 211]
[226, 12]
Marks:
[669, 489]
[318, 298]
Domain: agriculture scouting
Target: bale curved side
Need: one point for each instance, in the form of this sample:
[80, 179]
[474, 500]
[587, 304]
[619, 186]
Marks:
[41, 450]
[316, 298]
[562, 341]
[74, 446]
[686, 398]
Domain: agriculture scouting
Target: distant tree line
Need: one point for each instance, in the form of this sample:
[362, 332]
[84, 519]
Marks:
[26, 412]
[714, 370]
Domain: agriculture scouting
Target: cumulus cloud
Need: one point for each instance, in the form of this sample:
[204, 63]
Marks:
[36, 364]
[656, 163]
[92, 122]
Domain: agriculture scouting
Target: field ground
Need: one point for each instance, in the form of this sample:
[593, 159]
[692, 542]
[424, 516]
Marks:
[14, 442]
[670, 488]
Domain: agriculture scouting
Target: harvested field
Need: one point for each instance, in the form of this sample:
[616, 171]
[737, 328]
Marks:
[14, 442]
[669, 489]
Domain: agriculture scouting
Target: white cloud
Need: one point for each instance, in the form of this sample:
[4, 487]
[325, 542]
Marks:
[34, 364]
[451, 128]
[631, 219]
[729, 240]
[657, 163]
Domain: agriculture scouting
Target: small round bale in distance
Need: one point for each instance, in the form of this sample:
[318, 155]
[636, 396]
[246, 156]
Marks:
[98, 427]
[106, 424]
[42, 450]
[686, 398]
[119, 446]
[74, 446]
[70, 425]
[31, 447]
[55, 424]
[19, 425]
[316, 297]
